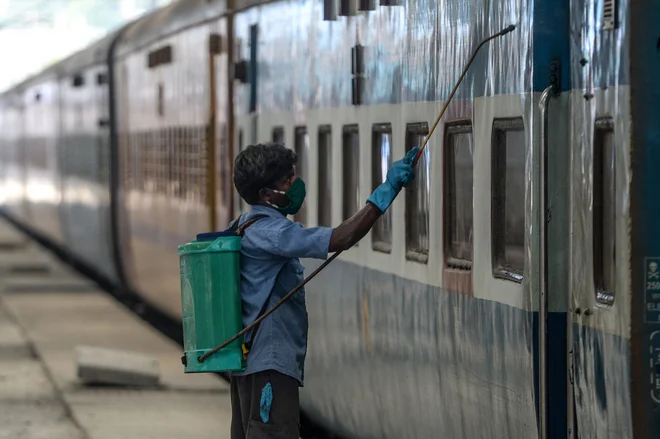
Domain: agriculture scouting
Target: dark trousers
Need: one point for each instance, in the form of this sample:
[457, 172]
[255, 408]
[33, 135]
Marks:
[255, 415]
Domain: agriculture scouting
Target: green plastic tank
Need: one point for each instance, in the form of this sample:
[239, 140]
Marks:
[211, 302]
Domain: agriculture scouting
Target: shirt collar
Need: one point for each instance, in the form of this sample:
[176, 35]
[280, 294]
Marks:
[266, 210]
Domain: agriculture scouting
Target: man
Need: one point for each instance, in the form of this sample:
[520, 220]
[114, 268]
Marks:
[264, 397]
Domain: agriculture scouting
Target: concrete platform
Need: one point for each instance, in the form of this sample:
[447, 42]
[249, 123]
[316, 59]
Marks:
[26, 267]
[30, 405]
[40, 395]
[9, 239]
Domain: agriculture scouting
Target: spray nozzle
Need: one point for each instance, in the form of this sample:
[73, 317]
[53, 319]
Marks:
[507, 29]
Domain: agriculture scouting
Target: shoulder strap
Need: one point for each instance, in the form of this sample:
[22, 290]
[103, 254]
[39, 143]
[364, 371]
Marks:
[239, 230]
[234, 224]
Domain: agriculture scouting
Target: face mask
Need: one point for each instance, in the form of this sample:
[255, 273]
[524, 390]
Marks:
[296, 195]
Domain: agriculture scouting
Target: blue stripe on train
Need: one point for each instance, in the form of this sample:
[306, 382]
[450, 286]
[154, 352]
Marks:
[557, 372]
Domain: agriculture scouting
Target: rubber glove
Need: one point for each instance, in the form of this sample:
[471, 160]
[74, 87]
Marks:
[399, 176]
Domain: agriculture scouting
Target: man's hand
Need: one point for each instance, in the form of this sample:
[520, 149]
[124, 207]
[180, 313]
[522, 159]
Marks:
[399, 176]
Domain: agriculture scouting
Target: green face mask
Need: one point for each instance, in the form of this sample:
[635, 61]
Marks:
[296, 195]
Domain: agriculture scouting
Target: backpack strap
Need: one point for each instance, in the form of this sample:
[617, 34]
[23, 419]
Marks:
[240, 229]
[234, 224]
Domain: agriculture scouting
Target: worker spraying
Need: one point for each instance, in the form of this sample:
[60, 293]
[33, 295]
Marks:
[269, 368]
[264, 396]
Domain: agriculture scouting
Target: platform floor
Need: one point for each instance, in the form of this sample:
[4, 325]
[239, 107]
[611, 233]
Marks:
[45, 311]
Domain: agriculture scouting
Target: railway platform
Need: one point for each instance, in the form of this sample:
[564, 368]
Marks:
[46, 311]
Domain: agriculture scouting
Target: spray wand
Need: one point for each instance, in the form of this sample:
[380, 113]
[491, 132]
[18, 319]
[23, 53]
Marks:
[334, 256]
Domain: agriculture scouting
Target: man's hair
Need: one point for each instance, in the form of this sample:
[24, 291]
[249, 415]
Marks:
[260, 166]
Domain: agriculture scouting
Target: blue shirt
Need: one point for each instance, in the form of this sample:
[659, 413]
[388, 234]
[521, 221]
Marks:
[270, 266]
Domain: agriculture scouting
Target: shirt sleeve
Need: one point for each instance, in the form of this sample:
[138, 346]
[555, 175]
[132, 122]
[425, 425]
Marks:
[292, 240]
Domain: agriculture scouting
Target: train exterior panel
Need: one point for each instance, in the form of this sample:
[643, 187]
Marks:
[13, 170]
[495, 299]
[40, 106]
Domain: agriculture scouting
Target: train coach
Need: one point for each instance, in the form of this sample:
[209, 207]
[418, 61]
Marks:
[512, 292]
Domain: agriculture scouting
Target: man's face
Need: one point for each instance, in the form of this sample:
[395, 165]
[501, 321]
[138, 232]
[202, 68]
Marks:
[282, 185]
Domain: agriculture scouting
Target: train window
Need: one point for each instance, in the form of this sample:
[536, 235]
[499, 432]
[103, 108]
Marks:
[418, 197]
[351, 170]
[216, 44]
[101, 78]
[78, 80]
[159, 56]
[278, 135]
[325, 176]
[302, 151]
[604, 211]
[151, 60]
[508, 192]
[381, 160]
[458, 172]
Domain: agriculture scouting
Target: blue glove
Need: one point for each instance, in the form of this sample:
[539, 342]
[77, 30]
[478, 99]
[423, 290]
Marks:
[399, 176]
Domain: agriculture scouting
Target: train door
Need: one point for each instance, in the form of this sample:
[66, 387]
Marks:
[554, 401]
[124, 173]
[101, 101]
[550, 251]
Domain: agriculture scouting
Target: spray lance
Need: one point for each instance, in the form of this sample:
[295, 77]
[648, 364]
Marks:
[334, 256]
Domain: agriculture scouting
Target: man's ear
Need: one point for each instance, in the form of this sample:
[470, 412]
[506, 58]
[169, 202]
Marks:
[264, 194]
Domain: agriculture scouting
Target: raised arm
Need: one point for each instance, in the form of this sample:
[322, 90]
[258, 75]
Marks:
[345, 235]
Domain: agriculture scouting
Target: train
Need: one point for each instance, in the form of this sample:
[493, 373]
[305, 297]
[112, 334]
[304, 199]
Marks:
[513, 291]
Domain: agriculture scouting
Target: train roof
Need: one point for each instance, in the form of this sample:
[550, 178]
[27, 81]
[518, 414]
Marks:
[168, 20]
[93, 54]
[142, 31]
[175, 18]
